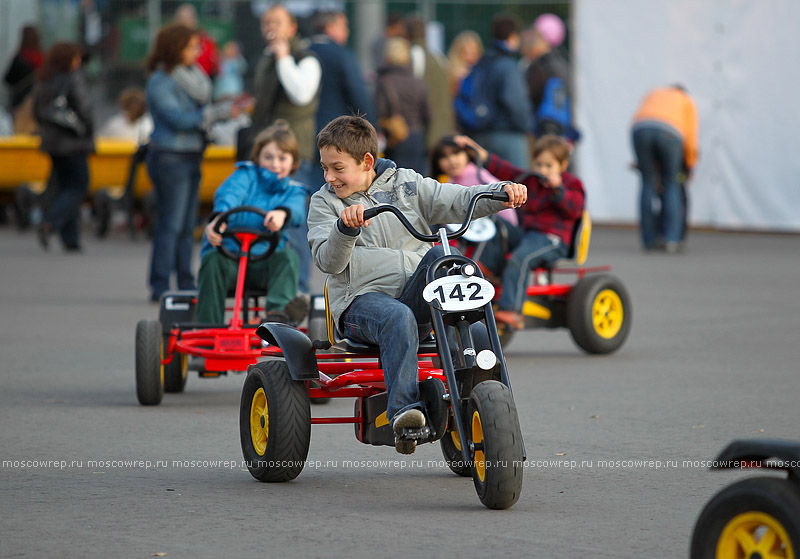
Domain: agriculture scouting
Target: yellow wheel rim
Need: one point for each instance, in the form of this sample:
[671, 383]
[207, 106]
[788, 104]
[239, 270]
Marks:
[477, 438]
[161, 352]
[607, 313]
[456, 440]
[259, 421]
[184, 365]
[752, 535]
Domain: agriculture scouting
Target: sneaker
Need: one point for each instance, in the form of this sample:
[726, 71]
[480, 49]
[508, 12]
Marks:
[278, 316]
[409, 419]
[298, 308]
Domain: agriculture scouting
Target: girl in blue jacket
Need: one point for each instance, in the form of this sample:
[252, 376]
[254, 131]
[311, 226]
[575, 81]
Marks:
[264, 183]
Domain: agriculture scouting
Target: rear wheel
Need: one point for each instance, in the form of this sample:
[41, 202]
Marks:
[149, 371]
[497, 440]
[451, 450]
[599, 314]
[274, 422]
[756, 517]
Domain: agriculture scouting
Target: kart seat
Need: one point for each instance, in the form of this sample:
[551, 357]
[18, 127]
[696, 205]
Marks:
[338, 341]
[579, 243]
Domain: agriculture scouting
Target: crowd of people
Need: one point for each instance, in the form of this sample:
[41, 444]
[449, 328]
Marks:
[435, 115]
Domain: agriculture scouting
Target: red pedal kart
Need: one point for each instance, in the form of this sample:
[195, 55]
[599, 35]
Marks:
[465, 390]
[163, 346]
[596, 309]
[757, 517]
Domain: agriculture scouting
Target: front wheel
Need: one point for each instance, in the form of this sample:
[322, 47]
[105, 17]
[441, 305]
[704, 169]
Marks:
[149, 371]
[274, 422]
[451, 450]
[497, 440]
[756, 517]
[599, 314]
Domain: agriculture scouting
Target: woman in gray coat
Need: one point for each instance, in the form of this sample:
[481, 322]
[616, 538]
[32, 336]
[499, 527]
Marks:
[67, 145]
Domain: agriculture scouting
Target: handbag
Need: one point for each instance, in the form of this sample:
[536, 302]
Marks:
[59, 112]
[395, 125]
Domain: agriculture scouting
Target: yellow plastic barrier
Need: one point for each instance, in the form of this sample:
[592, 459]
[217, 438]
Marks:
[21, 162]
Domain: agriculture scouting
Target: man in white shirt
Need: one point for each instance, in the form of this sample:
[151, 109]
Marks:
[287, 86]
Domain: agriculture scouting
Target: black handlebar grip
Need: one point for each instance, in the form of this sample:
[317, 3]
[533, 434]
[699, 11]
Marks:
[500, 196]
[369, 213]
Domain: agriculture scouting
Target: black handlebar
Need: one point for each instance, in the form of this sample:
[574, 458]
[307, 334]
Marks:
[273, 238]
[369, 213]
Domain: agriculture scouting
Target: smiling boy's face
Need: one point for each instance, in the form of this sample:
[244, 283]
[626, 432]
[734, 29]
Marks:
[346, 175]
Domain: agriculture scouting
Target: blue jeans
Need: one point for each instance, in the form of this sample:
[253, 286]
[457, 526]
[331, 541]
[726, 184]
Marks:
[71, 176]
[659, 151]
[511, 146]
[298, 236]
[529, 250]
[395, 325]
[176, 182]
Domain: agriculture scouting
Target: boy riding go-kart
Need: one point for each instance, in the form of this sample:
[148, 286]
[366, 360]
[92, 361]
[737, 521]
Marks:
[387, 285]
[553, 225]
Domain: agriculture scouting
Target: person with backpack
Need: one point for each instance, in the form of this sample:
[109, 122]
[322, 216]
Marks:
[547, 78]
[492, 103]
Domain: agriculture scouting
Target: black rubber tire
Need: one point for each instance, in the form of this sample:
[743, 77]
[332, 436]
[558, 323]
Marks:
[452, 455]
[288, 422]
[502, 445]
[506, 333]
[149, 372]
[585, 296]
[776, 497]
[176, 371]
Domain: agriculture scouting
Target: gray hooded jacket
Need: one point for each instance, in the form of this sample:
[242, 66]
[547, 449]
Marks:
[382, 257]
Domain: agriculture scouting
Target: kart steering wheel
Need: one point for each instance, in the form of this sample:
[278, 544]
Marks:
[273, 238]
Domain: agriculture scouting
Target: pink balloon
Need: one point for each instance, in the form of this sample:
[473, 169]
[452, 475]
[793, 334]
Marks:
[551, 28]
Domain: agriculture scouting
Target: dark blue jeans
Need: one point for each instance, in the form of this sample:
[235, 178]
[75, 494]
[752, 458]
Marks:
[529, 249]
[71, 176]
[176, 182]
[395, 325]
[659, 151]
[298, 236]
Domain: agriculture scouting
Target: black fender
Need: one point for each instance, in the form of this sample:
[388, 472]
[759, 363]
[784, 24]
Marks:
[769, 453]
[296, 347]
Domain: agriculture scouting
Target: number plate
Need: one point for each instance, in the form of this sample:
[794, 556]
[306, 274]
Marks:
[458, 293]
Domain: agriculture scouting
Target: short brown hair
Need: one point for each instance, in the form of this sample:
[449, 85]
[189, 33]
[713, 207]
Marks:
[58, 60]
[505, 25]
[281, 134]
[556, 145]
[353, 135]
[168, 47]
[132, 101]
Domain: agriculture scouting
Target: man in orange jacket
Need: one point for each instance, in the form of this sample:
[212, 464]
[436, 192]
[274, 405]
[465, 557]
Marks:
[665, 142]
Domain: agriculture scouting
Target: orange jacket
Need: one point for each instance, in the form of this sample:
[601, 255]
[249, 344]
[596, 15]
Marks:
[674, 107]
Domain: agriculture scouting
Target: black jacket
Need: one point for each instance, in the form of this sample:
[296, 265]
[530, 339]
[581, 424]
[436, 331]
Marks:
[56, 140]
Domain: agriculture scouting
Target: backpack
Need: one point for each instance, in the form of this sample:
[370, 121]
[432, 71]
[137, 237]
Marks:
[474, 107]
[554, 114]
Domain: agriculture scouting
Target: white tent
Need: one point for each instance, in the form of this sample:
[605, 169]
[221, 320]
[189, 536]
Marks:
[738, 59]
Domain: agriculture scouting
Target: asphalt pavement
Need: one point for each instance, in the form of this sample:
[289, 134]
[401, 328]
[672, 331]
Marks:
[616, 444]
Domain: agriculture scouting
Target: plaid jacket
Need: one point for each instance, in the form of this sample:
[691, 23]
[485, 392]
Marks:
[547, 210]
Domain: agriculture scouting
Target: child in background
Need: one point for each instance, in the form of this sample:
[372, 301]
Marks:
[547, 219]
[264, 183]
[451, 163]
[133, 122]
[229, 83]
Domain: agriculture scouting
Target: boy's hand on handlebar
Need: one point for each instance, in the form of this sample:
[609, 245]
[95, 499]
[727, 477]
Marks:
[213, 237]
[353, 216]
[517, 194]
[274, 220]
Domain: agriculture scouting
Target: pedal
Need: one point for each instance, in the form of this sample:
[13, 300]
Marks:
[418, 435]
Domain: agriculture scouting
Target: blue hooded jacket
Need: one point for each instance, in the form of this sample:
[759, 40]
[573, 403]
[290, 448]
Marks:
[251, 185]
